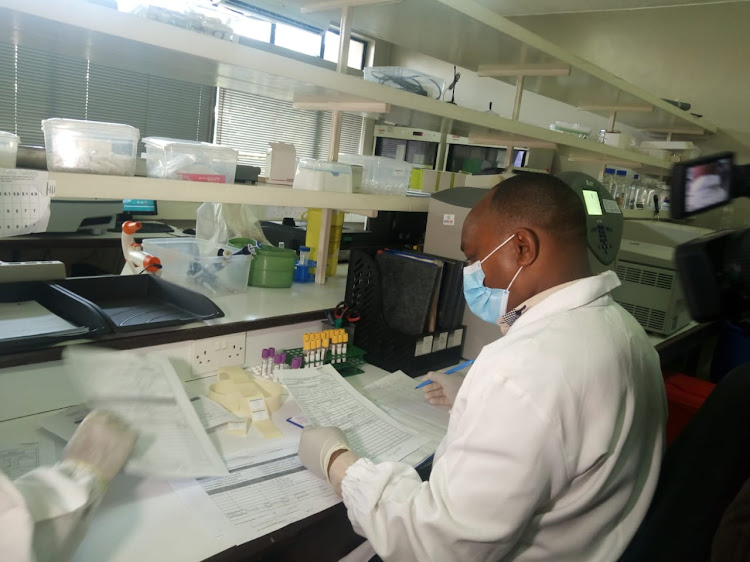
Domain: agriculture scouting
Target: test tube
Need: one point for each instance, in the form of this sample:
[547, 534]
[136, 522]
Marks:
[326, 344]
[346, 341]
[306, 352]
[264, 363]
[276, 366]
[283, 360]
[318, 353]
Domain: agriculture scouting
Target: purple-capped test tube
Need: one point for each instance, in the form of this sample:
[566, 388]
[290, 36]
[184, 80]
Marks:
[283, 360]
[264, 363]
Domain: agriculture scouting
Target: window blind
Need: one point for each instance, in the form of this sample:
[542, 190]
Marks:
[248, 122]
[36, 85]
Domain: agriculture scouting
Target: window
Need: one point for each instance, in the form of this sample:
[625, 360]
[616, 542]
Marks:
[248, 122]
[296, 36]
[357, 50]
[37, 85]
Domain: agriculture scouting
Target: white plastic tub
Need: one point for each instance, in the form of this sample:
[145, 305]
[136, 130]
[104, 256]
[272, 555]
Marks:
[320, 175]
[189, 160]
[91, 147]
[8, 149]
[380, 175]
[195, 264]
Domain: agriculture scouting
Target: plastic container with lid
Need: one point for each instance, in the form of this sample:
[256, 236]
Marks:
[8, 149]
[189, 160]
[197, 265]
[91, 147]
[272, 267]
[382, 176]
[320, 175]
[406, 79]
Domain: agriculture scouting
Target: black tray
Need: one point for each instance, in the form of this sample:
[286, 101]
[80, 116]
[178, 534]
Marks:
[70, 307]
[138, 302]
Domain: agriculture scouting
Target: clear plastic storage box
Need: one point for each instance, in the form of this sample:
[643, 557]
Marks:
[383, 176]
[406, 79]
[197, 265]
[189, 160]
[8, 149]
[91, 147]
[320, 175]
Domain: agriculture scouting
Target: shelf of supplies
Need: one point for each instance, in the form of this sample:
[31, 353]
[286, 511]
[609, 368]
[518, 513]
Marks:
[91, 186]
[82, 29]
[469, 34]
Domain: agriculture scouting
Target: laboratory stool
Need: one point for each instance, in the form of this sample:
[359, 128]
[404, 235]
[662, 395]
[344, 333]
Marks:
[702, 472]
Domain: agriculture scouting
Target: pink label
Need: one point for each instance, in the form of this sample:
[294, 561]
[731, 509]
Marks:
[211, 178]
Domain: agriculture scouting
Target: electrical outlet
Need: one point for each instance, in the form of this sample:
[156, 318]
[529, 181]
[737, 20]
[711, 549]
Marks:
[210, 354]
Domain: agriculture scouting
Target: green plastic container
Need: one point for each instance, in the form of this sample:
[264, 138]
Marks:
[271, 267]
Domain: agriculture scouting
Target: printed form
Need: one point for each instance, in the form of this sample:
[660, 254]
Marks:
[145, 391]
[328, 400]
[265, 491]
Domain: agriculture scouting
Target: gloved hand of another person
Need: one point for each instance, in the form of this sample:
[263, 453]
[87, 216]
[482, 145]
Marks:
[444, 388]
[101, 445]
[316, 447]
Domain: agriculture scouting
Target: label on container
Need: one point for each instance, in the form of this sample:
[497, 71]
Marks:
[449, 220]
[423, 347]
[441, 342]
[456, 337]
[210, 178]
[611, 206]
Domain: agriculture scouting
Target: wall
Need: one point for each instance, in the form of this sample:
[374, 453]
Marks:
[693, 53]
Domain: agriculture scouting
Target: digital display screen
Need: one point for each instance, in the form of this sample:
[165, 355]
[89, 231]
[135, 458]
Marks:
[591, 198]
[139, 206]
[707, 184]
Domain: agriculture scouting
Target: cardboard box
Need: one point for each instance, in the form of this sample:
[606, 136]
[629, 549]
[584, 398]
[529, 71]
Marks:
[281, 163]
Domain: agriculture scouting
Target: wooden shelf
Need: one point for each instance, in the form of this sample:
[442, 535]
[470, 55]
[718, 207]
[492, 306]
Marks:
[81, 29]
[91, 186]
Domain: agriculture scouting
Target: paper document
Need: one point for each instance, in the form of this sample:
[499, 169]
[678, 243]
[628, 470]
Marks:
[17, 460]
[268, 490]
[328, 400]
[24, 201]
[146, 392]
[210, 413]
[29, 318]
[395, 394]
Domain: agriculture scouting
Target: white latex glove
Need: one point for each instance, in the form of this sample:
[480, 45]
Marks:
[101, 445]
[444, 388]
[317, 445]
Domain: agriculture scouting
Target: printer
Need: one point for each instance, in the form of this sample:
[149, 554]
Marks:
[73, 215]
[651, 289]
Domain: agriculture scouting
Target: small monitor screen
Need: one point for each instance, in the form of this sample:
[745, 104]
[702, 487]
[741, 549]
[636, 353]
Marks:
[519, 157]
[707, 184]
[139, 206]
[591, 198]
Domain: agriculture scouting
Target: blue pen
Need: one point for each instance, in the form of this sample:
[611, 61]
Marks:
[448, 372]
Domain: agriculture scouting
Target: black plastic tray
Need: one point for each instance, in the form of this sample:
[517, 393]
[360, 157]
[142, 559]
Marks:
[138, 302]
[68, 306]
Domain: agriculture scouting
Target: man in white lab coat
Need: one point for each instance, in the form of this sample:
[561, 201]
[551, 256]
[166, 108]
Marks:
[43, 514]
[556, 435]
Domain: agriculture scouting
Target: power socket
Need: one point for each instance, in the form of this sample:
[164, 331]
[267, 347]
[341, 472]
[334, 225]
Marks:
[210, 354]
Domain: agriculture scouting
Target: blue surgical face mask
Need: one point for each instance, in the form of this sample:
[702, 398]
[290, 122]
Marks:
[486, 303]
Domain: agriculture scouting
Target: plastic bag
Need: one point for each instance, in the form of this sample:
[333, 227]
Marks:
[218, 222]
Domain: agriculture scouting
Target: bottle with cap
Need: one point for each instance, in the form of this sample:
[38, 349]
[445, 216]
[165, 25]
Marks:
[264, 363]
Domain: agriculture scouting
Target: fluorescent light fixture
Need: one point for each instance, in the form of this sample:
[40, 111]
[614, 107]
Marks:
[327, 5]
[500, 70]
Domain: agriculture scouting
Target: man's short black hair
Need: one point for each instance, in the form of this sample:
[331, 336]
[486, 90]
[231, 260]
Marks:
[540, 201]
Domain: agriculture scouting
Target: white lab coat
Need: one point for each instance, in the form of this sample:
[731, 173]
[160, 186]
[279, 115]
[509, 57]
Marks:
[553, 447]
[43, 514]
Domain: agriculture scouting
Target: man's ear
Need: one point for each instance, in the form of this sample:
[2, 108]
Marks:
[526, 246]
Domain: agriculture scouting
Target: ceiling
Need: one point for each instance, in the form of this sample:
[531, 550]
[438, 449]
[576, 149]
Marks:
[540, 7]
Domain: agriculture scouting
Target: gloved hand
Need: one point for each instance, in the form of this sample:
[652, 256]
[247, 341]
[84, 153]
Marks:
[316, 447]
[101, 445]
[444, 388]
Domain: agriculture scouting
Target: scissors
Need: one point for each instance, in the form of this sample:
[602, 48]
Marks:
[342, 313]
